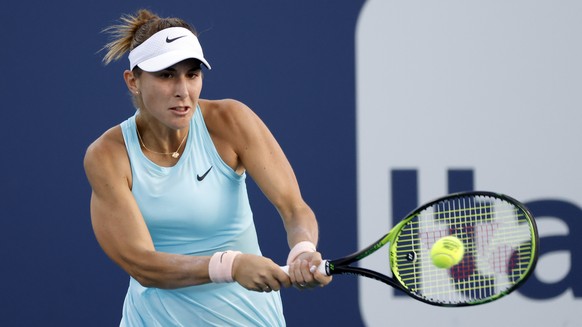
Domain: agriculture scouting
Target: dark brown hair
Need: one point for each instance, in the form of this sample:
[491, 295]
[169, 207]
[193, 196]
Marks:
[133, 30]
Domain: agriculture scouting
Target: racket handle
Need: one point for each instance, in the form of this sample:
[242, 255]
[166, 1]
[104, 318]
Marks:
[323, 268]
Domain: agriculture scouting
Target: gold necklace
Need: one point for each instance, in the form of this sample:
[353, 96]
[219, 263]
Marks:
[174, 154]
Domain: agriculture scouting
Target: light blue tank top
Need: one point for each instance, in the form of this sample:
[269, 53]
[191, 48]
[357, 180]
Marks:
[197, 207]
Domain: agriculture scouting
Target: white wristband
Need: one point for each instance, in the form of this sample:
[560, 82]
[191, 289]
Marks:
[220, 266]
[301, 247]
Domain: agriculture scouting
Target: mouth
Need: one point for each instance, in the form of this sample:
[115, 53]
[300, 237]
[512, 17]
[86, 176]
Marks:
[180, 109]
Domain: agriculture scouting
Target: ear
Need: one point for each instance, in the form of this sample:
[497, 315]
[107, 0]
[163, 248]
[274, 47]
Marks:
[131, 81]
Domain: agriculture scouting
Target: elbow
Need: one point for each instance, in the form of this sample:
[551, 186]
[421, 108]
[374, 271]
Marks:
[143, 272]
[146, 282]
[151, 276]
[151, 279]
[141, 275]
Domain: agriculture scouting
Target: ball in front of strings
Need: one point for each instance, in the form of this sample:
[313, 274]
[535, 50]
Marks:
[447, 252]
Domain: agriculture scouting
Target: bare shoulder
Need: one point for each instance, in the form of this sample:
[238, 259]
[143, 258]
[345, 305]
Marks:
[228, 118]
[106, 155]
[234, 129]
[105, 146]
[225, 111]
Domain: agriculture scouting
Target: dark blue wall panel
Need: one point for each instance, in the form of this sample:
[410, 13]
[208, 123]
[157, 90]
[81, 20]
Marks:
[292, 62]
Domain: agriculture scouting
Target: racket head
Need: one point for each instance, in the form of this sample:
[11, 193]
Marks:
[500, 240]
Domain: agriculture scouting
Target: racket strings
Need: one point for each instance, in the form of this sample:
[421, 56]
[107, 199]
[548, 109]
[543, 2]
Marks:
[497, 238]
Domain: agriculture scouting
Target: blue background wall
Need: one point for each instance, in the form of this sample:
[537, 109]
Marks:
[292, 62]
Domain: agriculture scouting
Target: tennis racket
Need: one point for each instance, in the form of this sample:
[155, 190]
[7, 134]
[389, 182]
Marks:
[500, 242]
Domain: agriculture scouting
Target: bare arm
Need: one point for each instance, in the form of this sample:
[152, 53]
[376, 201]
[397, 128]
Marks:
[245, 143]
[119, 226]
[269, 167]
[122, 233]
[258, 152]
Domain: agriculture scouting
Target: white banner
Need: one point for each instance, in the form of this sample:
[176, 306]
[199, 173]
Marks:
[486, 95]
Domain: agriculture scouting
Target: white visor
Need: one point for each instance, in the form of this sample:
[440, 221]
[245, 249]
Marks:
[166, 48]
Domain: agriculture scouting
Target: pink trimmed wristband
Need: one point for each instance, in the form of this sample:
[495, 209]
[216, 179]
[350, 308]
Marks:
[220, 266]
[301, 247]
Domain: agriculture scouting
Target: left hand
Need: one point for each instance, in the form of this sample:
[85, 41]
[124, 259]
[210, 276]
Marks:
[301, 275]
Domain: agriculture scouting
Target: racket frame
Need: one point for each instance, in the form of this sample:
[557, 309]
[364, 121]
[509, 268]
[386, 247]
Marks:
[342, 265]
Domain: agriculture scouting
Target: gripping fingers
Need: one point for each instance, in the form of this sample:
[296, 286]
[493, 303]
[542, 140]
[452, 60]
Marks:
[318, 275]
[301, 275]
[262, 289]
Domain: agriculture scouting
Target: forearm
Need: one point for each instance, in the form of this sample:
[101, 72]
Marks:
[301, 225]
[168, 271]
[303, 258]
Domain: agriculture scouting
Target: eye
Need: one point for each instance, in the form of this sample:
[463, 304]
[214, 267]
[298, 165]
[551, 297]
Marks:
[194, 74]
[165, 74]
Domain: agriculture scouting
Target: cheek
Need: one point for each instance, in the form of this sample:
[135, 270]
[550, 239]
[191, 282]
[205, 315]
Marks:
[196, 87]
[155, 91]
[152, 100]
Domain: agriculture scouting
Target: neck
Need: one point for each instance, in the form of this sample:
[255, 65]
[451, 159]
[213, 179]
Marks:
[153, 144]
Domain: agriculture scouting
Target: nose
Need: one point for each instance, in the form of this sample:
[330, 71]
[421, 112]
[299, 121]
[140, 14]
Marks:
[181, 88]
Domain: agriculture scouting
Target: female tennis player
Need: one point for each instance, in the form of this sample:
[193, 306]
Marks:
[169, 202]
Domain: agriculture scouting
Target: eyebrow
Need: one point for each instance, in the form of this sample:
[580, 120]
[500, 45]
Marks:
[172, 69]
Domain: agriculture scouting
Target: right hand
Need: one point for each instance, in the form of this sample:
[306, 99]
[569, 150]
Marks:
[303, 276]
[258, 273]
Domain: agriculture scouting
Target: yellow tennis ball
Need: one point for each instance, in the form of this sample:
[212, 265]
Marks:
[447, 252]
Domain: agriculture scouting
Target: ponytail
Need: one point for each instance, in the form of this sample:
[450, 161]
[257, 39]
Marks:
[133, 30]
